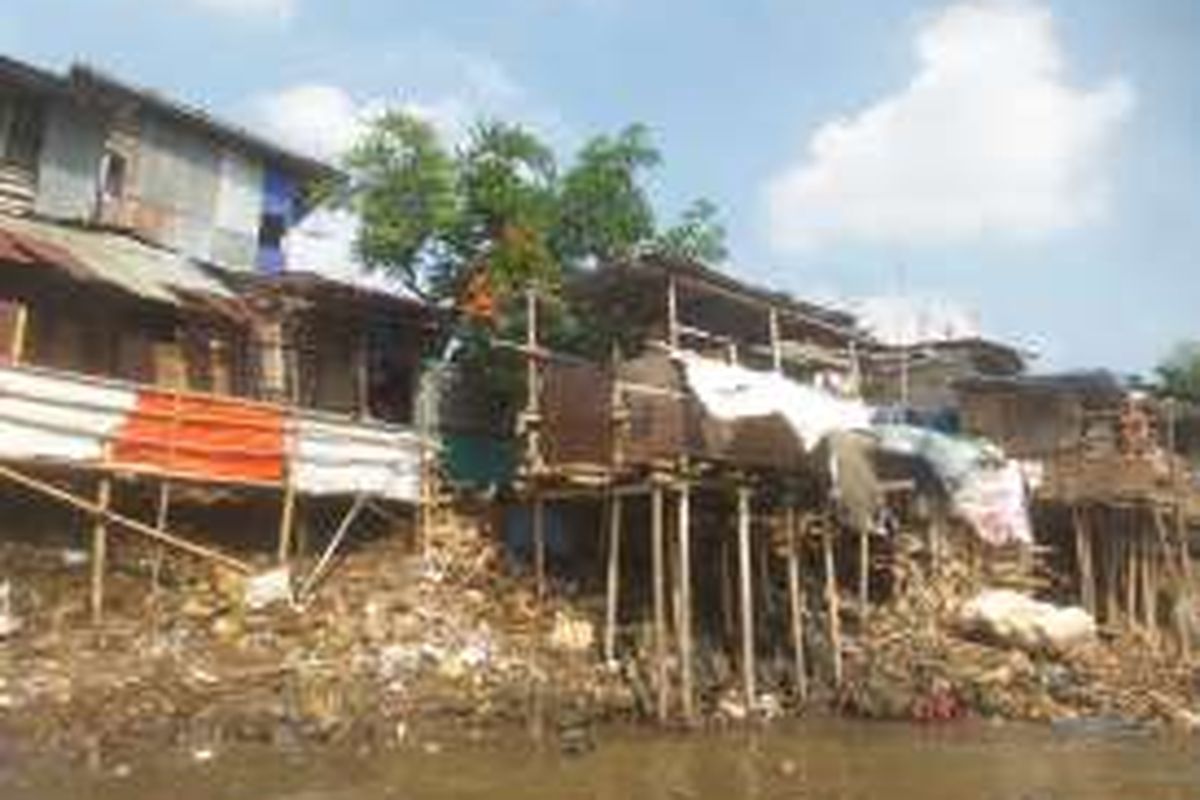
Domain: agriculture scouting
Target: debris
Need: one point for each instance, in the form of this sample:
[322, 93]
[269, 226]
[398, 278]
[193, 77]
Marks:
[1013, 619]
[265, 588]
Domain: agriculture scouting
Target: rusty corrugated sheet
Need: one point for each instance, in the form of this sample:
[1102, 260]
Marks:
[115, 259]
[576, 398]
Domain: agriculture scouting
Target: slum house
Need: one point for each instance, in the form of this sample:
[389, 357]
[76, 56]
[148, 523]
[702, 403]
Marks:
[150, 327]
[1115, 488]
[629, 431]
[918, 380]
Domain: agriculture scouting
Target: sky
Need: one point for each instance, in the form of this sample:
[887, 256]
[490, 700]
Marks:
[1028, 169]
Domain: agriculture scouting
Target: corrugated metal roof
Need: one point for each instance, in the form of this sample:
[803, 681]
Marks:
[121, 261]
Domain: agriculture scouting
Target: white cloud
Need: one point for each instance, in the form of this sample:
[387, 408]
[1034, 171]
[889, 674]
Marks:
[988, 138]
[277, 9]
[897, 319]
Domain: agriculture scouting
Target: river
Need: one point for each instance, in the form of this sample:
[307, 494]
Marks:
[828, 759]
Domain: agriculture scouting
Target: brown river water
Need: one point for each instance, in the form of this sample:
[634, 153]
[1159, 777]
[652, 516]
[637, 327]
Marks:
[835, 760]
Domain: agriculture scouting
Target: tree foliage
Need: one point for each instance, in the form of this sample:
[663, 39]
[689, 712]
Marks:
[698, 235]
[1179, 372]
[433, 216]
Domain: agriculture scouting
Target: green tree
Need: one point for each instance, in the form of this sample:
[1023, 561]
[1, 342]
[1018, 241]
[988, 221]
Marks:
[604, 211]
[1179, 373]
[699, 235]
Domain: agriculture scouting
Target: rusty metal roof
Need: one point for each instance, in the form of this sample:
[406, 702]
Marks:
[118, 260]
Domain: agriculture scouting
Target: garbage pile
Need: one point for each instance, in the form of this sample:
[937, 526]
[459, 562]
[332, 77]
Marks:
[951, 648]
[390, 636]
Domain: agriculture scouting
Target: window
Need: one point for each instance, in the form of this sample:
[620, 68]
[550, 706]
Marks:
[20, 131]
[113, 172]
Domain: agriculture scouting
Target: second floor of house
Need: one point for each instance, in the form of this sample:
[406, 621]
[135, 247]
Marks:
[85, 147]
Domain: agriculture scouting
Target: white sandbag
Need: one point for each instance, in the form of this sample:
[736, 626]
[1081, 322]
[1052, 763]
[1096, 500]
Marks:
[1012, 619]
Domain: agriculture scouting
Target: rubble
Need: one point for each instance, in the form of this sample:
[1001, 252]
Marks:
[391, 637]
[917, 660]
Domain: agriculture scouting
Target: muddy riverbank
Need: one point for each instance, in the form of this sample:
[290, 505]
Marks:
[451, 637]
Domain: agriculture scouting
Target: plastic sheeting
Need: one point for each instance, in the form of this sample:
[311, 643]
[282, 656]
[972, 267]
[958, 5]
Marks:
[986, 489]
[730, 393]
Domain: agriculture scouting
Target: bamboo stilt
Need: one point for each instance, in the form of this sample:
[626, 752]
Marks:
[539, 550]
[660, 603]
[864, 574]
[1083, 557]
[1129, 554]
[685, 602]
[612, 592]
[796, 605]
[1185, 569]
[63, 496]
[747, 595]
[285, 521]
[100, 549]
[831, 604]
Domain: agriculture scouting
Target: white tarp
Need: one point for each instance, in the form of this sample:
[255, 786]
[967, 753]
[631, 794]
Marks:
[1017, 620]
[329, 457]
[729, 392]
[58, 418]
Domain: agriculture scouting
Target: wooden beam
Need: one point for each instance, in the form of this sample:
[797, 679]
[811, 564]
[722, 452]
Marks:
[95, 509]
[16, 350]
[672, 312]
[685, 602]
[796, 605]
[539, 549]
[1083, 558]
[100, 548]
[831, 605]
[286, 519]
[749, 675]
[776, 344]
[660, 602]
[864, 574]
[613, 588]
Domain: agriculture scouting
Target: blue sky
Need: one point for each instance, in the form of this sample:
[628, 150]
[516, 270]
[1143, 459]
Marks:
[1027, 165]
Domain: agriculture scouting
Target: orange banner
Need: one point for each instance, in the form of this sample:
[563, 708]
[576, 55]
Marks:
[203, 437]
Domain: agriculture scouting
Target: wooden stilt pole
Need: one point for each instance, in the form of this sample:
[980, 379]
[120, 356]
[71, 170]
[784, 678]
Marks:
[727, 614]
[796, 605]
[613, 588]
[831, 605]
[100, 549]
[747, 595]
[285, 520]
[864, 574]
[685, 602]
[539, 550]
[1083, 557]
[1185, 569]
[1147, 561]
[660, 602]
[1129, 543]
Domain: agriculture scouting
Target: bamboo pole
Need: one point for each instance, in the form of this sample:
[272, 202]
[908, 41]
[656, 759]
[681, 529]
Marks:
[286, 518]
[660, 609]
[776, 344]
[95, 509]
[747, 608]
[539, 550]
[796, 605]
[612, 593]
[16, 351]
[831, 604]
[1130, 558]
[1083, 558]
[100, 548]
[1185, 569]
[864, 574]
[685, 602]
